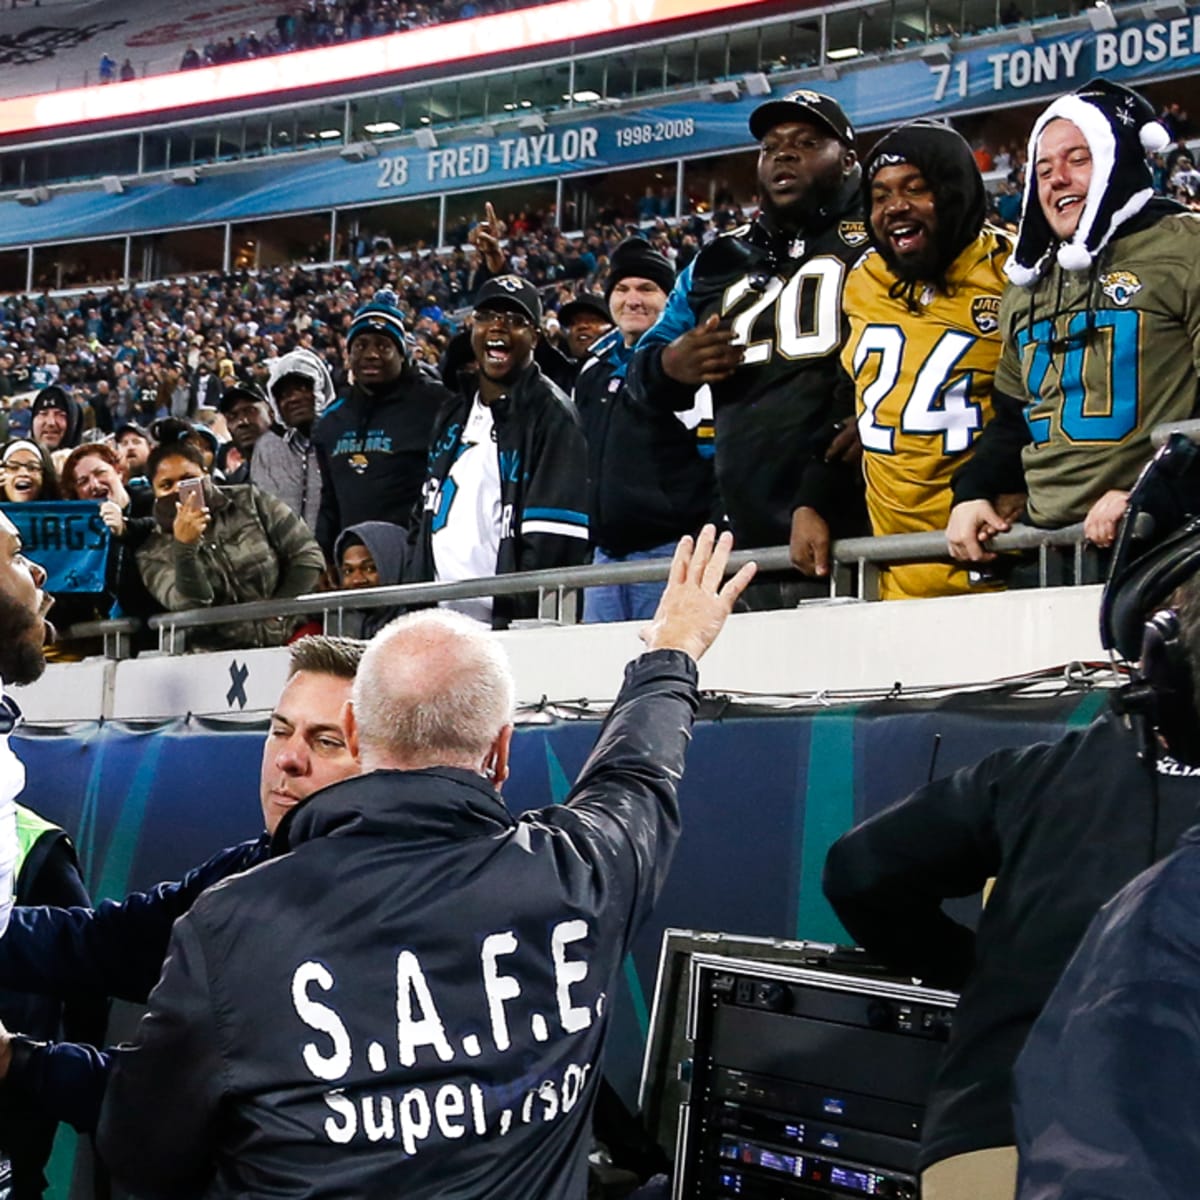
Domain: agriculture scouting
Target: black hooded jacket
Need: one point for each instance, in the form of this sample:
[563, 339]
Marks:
[414, 1000]
[387, 545]
[74, 411]
[947, 165]
[543, 485]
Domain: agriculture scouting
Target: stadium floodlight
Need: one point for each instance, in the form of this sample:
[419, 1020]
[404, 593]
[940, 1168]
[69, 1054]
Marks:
[843, 52]
[426, 139]
[587, 96]
[359, 151]
[533, 123]
[32, 197]
[185, 176]
[378, 127]
[267, 81]
[936, 52]
[1101, 17]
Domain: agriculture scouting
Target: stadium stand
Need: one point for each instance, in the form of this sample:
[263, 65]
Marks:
[142, 318]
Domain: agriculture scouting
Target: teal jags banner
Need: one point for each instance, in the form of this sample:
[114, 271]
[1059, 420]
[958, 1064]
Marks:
[67, 539]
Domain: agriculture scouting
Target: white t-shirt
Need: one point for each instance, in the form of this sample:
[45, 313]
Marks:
[466, 527]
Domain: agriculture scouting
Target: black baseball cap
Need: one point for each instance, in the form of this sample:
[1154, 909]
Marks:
[803, 105]
[242, 390]
[585, 302]
[131, 427]
[513, 293]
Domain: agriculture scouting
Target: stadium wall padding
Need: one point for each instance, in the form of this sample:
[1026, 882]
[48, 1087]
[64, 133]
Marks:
[763, 797]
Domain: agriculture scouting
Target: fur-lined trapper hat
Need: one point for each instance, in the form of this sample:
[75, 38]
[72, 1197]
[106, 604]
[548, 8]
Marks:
[311, 365]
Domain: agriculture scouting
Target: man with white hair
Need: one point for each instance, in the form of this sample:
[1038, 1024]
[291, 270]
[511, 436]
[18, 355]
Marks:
[413, 1001]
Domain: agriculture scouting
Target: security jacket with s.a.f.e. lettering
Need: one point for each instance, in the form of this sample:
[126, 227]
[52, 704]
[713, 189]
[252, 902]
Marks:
[371, 448]
[413, 1001]
[543, 485]
[775, 415]
[1061, 826]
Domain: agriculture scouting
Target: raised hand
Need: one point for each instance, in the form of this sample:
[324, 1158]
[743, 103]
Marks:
[693, 609]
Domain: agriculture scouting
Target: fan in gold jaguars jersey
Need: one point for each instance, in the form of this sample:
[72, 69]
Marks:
[923, 308]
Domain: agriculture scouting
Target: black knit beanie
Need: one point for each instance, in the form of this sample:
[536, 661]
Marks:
[636, 258]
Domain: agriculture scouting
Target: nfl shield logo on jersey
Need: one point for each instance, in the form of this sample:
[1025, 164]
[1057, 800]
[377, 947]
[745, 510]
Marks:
[985, 312]
[1120, 286]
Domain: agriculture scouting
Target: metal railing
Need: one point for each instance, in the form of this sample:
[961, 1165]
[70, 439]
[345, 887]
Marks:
[854, 574]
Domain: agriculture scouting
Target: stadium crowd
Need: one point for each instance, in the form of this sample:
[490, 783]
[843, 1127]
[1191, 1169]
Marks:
[865, 353]
[348, 395]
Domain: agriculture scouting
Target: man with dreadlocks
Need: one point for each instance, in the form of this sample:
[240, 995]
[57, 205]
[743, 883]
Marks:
[1101, 334]
[924, 337]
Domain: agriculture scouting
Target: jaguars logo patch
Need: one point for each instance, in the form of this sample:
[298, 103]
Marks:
[357, 463]
[985, 312]
[1120, 286]
[853, 233]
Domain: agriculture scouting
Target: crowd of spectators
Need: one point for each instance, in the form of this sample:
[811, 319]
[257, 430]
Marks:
[199, 355]
[123, 371]
[169, 349]
[316, 24]
[321, 23]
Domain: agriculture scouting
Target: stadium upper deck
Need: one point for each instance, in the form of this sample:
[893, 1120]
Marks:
[321, 143]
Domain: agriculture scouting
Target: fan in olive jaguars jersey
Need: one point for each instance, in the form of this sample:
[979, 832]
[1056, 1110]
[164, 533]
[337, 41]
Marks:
[924, 336]
[757, 316]
[1102, 333]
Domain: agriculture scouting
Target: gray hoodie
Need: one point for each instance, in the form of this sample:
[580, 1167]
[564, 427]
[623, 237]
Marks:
[388, 546]
[286, 464]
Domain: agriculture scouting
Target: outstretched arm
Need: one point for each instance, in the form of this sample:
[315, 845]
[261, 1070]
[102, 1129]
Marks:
[623, 812]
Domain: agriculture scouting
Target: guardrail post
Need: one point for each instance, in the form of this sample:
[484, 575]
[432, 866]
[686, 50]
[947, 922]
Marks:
[118, 645]
[841, 579]
[868, 580]
[570, 610]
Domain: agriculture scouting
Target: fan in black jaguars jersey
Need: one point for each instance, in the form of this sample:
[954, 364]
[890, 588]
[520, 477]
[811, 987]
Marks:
[758, 317]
